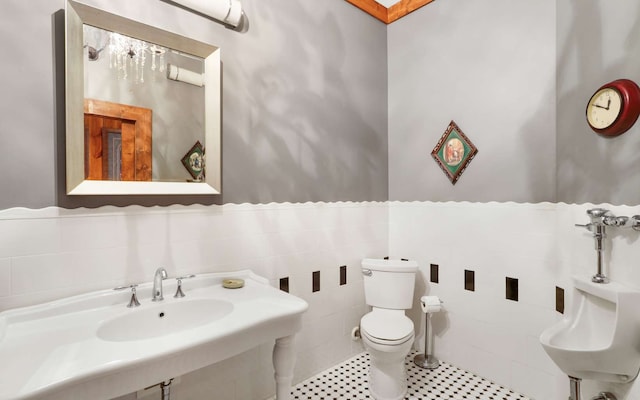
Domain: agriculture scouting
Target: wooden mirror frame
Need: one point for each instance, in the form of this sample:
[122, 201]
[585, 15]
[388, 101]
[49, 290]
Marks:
[77, 14]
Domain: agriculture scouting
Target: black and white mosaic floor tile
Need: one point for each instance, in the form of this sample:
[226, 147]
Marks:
[349, 380]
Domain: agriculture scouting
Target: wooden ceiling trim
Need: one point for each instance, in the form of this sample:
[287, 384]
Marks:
[393, 13]
[373, 8]
[404, 7]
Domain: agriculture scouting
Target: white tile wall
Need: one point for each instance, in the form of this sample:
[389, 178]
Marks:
[5, 277]
[51, 253]
[539, 245]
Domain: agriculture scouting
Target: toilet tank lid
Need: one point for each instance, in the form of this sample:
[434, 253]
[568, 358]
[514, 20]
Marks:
[390, 265]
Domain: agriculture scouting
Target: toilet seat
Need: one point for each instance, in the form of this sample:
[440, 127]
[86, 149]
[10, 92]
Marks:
[387, 342]
[387, 327]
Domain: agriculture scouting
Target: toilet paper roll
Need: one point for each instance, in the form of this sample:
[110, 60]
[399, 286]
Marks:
[355, 333]
[431, 304]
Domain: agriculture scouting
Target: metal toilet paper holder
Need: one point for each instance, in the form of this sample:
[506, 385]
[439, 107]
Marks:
[427, 360]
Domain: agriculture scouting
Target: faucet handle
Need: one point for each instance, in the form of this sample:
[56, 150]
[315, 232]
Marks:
[179, 292]
[134, 297]
[588, 226]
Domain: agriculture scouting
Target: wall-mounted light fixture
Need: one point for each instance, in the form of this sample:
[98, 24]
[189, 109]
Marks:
[180, 74]
[228, 12]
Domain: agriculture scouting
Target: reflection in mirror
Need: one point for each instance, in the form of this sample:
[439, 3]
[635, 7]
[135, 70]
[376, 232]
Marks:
[145, 100]
[117, 141]
[132, 75]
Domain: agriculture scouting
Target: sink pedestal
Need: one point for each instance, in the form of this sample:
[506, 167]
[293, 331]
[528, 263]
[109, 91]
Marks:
[283, 363]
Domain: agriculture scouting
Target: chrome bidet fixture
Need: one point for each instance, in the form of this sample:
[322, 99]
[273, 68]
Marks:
[597, 227]
[600, 219]
[158, 277]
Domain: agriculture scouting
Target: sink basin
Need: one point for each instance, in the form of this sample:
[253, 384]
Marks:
[163, 319]
[93, 346]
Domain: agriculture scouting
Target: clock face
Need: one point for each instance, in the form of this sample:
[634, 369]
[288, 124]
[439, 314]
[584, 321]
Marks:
[604, 108]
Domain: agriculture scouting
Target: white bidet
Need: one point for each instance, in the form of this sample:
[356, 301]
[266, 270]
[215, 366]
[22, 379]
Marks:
[599, 338]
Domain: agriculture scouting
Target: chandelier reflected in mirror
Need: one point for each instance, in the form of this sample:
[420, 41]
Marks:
[129, 58]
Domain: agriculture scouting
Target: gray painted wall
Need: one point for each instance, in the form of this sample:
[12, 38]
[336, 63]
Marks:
[516, 76]
[597, 44]
[27, 123]
[490, 66]
[304, 102]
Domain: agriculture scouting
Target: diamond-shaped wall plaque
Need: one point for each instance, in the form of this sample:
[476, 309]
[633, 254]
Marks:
[454, 152]
[193, 161]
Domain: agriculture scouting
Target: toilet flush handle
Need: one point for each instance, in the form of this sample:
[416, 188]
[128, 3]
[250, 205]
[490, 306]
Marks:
[367, 272]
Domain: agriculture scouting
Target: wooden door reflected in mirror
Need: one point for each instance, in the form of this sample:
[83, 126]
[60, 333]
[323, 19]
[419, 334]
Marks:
[117, 141]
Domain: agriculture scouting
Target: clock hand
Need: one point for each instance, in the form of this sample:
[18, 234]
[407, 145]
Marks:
[608, 103]
[599, 106]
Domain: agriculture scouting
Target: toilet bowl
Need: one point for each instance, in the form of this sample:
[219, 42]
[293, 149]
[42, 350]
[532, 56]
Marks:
[387, 333]
[387, 336]
[599, 338]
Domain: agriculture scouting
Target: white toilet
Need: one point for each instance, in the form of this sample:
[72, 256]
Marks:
[387, 333]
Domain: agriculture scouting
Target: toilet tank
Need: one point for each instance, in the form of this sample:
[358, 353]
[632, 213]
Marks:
[389, 283]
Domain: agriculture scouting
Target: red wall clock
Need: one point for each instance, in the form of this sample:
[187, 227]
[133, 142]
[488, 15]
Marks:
[614, 108]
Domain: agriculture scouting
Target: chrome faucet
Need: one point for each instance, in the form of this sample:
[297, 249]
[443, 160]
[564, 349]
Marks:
[160, 274]
[600, 219]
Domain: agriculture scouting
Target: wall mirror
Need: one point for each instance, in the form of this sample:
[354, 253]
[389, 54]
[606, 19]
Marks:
[142, 108]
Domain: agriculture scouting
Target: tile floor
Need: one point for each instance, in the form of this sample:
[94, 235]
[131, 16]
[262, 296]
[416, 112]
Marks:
[348, 380]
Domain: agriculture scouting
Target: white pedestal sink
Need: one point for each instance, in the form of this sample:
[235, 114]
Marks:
[160, 319]
[93, 347]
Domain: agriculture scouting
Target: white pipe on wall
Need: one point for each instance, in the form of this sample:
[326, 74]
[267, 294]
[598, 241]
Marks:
[227, 11]
[184, 75]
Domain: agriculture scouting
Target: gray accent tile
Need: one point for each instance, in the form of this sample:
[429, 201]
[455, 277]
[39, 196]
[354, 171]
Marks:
[284, 284]
[343, 275]
[511, 289]
[315, 284]
[469, 280]
[560, 300]
[434, 273]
